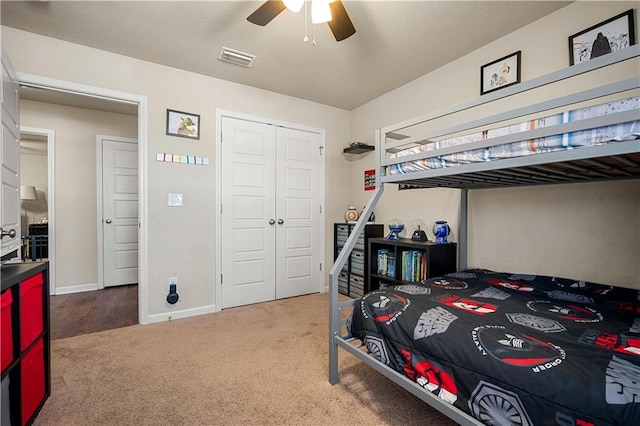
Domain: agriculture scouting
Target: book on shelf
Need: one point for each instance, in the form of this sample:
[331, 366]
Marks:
[386, 262]
[391, 265]
[414, 267]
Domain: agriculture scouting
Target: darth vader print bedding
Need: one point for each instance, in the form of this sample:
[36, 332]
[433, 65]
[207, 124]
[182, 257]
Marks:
[512, 349]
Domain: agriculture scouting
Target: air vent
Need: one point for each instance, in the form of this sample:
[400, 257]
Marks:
[236, 57]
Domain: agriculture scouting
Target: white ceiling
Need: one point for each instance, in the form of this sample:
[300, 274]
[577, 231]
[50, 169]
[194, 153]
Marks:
[396, 41]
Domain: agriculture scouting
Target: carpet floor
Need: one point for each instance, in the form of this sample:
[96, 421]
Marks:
[259, 364]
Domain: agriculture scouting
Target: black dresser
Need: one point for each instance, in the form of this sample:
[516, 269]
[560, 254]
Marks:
[39, 240]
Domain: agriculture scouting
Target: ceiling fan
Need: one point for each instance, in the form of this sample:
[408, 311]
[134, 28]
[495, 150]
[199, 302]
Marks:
[330, 11]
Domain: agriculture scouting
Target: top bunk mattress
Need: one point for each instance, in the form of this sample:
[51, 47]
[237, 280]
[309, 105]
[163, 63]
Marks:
[628, 130]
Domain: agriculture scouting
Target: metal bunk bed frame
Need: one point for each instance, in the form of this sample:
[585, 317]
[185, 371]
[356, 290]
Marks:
[620, 160]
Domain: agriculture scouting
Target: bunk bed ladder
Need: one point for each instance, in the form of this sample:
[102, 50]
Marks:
[334, 311]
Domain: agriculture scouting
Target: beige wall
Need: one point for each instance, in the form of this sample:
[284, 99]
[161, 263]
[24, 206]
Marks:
[75, 181]
[181, 240]
[549, 230]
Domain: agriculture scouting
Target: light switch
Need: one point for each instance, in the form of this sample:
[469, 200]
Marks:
[175, 200]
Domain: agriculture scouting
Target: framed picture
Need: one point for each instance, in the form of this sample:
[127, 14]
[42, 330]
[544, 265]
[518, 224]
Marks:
[500, 73]
[183, 124]
[608, 36]
[370, 180]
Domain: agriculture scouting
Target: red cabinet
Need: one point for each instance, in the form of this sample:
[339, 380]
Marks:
[6, 332]
[25, 341]
[32, 380]
[31, 312]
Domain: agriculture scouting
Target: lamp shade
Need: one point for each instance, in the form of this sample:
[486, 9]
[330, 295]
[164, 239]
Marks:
[28, 192]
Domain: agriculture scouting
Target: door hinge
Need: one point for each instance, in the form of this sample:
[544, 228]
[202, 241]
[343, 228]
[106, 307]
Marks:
[220, 207]
[320, 209]
[221, 279]
[321, 267]
[321, 148]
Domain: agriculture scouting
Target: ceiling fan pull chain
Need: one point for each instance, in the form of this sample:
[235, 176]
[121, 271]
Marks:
[306, 21]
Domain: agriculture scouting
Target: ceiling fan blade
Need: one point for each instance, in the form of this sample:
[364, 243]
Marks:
[266, 12]
[340, 23]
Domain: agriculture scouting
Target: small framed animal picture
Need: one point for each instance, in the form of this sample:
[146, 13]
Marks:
[500, 73]
[183, 124]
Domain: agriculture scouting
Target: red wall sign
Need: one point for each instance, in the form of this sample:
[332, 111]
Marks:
[370, 180]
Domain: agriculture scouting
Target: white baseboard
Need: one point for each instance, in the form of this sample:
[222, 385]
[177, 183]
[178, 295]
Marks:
[185, 313]
[78, 288]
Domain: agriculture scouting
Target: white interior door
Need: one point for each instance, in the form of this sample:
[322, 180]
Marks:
[248, 212]
[9, 162]
[120, 211]
[298, 210]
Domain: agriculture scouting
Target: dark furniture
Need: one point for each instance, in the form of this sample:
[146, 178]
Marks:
[353, 278]
[26, 372]
[38, 241]
[389, 258]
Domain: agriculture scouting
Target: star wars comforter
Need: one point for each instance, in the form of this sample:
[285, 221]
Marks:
[512, 349]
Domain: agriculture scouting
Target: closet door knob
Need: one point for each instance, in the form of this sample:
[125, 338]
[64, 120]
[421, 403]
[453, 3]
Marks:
[272, 222]
[108, 221]
[280, 221]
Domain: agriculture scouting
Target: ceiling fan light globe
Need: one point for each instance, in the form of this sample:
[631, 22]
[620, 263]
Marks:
[320, 11]
[294, 5]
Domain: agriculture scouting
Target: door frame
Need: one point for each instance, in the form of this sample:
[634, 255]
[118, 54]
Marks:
[141, 101]
[99, 198]
[51, 199]
[219, 114]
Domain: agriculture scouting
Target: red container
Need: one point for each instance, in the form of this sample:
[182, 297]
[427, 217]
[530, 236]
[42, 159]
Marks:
[6, 333]
[31, 314]
[33, 380]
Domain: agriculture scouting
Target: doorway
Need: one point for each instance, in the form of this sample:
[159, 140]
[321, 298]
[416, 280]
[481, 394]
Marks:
[271, 227]
[37, 146]
[139, 103]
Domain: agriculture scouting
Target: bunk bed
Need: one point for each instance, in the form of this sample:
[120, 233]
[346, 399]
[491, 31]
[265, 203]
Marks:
[546, 130]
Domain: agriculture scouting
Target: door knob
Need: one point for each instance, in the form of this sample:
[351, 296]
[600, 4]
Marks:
[11, 233]
[272, 222]
[108, 221]
[280, 221]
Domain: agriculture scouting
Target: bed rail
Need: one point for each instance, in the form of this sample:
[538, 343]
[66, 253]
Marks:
[623, 163]
[358, 350]
[340, 338]
[393, 131]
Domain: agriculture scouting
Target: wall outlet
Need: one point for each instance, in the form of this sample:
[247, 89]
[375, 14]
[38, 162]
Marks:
[173, 280]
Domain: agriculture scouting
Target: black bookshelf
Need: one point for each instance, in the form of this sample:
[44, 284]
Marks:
[434, 260]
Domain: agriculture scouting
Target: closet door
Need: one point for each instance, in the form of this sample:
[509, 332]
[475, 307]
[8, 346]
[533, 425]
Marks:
[10, 161]
[248, 212]
[271, 233]
[298, 212]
